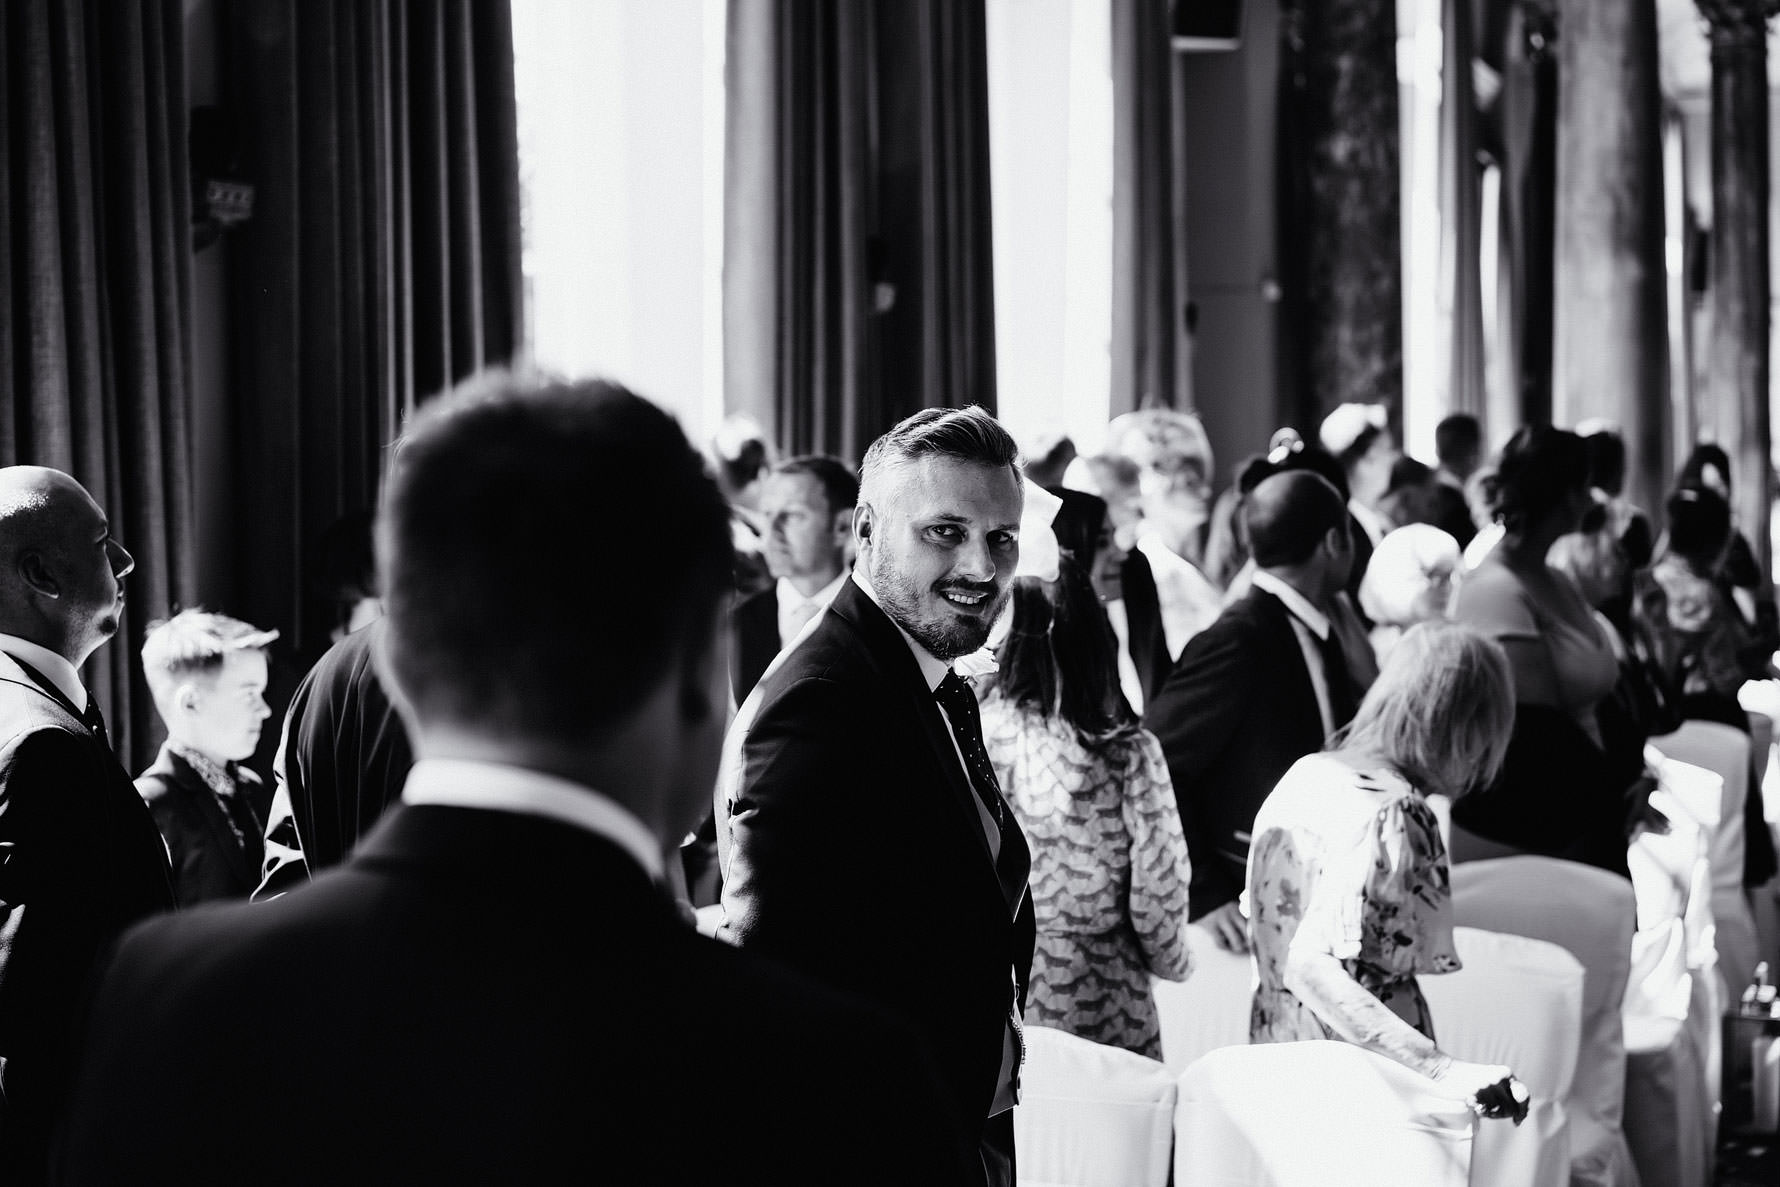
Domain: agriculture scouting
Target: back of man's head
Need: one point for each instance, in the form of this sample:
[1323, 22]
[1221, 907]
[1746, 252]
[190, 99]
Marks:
[1458, 443]
[1288, 515]
[549, 553]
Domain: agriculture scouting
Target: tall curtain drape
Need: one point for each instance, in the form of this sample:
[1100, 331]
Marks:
[95, 286]
[858, 280]
[1528, 114]
[1461, 211]
[381, 265]
[1148, 324]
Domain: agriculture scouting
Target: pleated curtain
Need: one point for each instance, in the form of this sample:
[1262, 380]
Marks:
[858, 275]
[381, 265]
[95, 287]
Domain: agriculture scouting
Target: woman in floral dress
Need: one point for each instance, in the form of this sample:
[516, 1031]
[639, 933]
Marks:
[1348, 894]
[1092, 794]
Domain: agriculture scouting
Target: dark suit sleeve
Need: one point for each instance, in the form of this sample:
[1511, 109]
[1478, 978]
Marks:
[284, 866]
[786, 859]
[1208, 694]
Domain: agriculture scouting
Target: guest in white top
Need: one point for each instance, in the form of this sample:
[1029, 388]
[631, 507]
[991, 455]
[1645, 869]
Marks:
[1359, 435]
[807, 506]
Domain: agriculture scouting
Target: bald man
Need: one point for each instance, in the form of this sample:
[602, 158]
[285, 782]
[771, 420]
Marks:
[80, 858]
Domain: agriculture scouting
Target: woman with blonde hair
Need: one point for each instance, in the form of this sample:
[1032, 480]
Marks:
[1409, 580]
[1348, 894]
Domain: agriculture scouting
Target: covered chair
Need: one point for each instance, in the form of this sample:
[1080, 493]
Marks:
[1599, 916]
[1317, 1114]
[1724, 751]
[1517, 1002]
[1092, 1115]
[1210, 1008]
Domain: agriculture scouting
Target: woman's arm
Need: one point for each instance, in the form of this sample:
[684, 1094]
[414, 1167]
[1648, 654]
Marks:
[1321, 982]
[1160, 867]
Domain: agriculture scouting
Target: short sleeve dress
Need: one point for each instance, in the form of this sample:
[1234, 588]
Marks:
[1351, 864]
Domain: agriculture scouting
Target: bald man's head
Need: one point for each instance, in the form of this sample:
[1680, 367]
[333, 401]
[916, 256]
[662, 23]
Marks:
[1289, 515]
[61, 573]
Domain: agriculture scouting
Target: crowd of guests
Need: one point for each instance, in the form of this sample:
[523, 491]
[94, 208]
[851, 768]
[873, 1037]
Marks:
[966, 741]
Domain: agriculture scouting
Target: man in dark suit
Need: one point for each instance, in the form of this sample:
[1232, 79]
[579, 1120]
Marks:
[207, 672]
[494, 987]
[1265, 685]
[79, 856]
[341, 762]
[806, 505]
[860, 757]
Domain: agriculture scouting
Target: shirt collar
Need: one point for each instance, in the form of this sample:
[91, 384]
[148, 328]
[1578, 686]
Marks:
[1295, 602]
[789, 597]
[55, 668]
[933, 669]
[499, 787]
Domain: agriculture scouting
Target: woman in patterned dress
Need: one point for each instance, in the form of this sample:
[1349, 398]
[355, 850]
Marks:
[1348, 894]
[1092, 793]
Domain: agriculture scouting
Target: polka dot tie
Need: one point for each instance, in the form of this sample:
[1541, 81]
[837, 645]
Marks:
[960, 704]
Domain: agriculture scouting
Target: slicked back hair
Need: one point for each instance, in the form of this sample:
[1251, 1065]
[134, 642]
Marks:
[548, 553]
[966, 434]
[838, 485]
[197, 642]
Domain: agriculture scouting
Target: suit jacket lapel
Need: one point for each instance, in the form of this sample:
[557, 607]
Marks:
[890, 652]
[1291, 661]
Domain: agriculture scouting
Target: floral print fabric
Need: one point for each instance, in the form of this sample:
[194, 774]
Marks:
[1351, 864]
[1109, 874]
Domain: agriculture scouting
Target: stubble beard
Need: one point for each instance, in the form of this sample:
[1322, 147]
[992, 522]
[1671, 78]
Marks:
[944, 639]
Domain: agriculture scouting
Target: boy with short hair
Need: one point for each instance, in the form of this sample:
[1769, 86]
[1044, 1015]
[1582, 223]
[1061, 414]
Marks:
[208, 673]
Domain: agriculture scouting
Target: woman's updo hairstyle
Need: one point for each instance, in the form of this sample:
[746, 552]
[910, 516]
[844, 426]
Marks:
[1539, 468]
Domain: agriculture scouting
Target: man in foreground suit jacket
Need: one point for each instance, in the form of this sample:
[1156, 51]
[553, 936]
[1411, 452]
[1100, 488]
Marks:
[1259, 689]
[494, 988]
[863, 837]
[80, 859]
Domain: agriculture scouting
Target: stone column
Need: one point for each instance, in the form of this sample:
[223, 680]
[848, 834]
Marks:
[1344, 225]
[1611, 326]
[1737, 356]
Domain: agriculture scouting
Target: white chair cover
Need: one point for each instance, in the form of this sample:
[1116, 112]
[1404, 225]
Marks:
[1210, 1008]
[1092, 1115]
[1599, 915]
[1517, 1002]
[1724, 751]
[1322, 1114]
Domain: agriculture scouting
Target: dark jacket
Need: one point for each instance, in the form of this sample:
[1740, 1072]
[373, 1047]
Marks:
[853, 850]
[211, 859]
[484, 997]
[342, 760]
[80, 860]
[1238, 710]
[754, 639]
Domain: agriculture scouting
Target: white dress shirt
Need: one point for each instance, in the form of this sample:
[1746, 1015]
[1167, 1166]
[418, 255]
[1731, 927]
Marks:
[1186, 598]
[1370, 521]
[1312, 628]
[57, 670]
[1130, 683]
[795, 610]
[499, 787]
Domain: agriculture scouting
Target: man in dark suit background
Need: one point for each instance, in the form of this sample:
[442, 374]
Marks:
[863, 836]
[1265, 685]
[495, 987]
[806, 507]
[79, 855]
[342, 759]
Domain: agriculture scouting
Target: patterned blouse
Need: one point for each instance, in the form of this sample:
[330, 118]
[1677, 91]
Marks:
[1109, 874]
[1348, 863]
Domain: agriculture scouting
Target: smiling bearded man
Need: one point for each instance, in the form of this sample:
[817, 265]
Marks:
[863, 837]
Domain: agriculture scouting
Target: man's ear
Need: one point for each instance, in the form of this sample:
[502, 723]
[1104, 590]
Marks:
[864, 520]
[186, 697]
[34, 572]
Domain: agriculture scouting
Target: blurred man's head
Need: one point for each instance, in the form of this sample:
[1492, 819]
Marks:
[938, 525]
[207, 673]
[1298, 528]
[1174, 461]
[553, 559]
[61, 571]
[1458, 445]
[806, 513]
